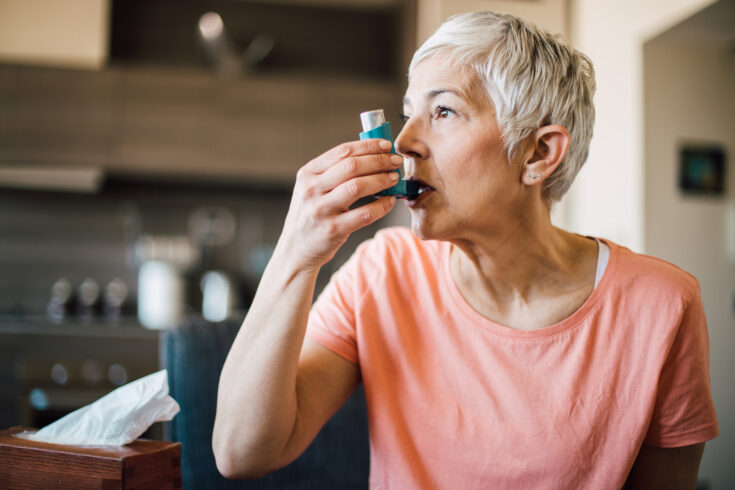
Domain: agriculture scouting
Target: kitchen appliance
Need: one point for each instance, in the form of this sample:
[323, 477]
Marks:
[161, 285]
[161, 295]
[218, 296]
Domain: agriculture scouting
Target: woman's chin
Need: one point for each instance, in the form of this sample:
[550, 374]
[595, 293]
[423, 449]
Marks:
[422, 229]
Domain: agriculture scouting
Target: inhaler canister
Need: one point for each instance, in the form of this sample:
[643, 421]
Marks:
[374, 125]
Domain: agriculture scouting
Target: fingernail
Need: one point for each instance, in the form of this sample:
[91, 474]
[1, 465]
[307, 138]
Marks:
[393, 176]
[385, 144]
[396, 160]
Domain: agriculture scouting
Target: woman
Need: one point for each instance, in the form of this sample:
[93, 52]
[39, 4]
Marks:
[496, 350]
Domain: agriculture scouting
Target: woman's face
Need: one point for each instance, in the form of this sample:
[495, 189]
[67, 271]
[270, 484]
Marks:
[452, 144]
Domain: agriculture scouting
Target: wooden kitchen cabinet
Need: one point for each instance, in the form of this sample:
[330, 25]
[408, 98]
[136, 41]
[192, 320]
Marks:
[164, 122]
[181, 123]
[57, 116]
[258, 128]
[192, 124]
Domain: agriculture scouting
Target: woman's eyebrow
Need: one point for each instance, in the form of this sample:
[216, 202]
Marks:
[436, 92]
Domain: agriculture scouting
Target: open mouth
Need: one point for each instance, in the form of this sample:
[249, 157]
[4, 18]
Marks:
[423, 187]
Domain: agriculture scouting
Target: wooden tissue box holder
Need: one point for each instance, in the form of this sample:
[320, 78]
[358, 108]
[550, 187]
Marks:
[26, 464]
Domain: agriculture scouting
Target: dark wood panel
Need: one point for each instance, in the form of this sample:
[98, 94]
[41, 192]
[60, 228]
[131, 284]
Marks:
[182, 123]
[58, 115]
[258, 128]
[322, 39]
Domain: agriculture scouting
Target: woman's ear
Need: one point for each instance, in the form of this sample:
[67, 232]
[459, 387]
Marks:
[549, 145]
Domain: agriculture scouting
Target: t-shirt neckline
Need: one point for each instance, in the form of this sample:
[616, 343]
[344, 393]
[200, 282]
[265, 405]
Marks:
[466, 310]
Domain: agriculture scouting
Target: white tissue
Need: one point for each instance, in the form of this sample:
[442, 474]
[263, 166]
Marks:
[117, 418]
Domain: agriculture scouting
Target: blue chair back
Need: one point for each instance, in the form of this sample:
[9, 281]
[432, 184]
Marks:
[194, 353]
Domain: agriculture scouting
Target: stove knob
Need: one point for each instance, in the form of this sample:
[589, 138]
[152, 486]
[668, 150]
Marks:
[117, 374]
[60, 301]
[38, 399]
[59, 374]
[92, 372]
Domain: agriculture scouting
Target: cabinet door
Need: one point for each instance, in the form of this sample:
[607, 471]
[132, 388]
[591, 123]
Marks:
[57, 116]
[192, 124]
[270, 127]
[262, 128]
[263, 125]
[181, 123]
[165, 122]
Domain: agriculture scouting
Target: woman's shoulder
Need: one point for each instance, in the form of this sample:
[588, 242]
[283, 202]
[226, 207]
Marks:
[396, 250]
[400, 241]
[647, 272]
[396, 234]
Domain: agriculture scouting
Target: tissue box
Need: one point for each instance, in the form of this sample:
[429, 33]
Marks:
[26, 464]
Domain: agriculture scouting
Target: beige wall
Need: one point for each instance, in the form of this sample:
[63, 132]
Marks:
[690, 98]
[71, 33]
[607, 198]
[549, 14]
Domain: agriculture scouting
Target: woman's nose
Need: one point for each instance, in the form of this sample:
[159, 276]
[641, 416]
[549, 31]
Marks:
[409, 143]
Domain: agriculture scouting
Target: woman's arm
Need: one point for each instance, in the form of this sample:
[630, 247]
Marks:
[273, 396]
[662, 468]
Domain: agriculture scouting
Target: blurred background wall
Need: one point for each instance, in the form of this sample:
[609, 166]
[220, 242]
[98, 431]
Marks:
[689, 105]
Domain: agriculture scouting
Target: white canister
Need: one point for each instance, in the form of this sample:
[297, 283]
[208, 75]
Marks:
[161, 295]
[218, 296]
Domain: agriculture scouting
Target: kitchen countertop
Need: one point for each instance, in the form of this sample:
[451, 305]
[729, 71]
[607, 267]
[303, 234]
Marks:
[70, 364]
[126, 328]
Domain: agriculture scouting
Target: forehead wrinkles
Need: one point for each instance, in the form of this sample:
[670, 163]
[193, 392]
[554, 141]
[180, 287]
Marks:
[450, 78]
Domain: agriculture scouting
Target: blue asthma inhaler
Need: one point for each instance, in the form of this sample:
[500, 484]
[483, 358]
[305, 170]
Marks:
[374, 125]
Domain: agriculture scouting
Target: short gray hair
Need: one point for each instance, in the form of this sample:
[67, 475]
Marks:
[533, 79]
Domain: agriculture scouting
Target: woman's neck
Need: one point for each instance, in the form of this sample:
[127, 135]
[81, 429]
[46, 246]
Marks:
[506, 276]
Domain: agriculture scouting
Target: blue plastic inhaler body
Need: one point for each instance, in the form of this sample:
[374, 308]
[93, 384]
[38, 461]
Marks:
[374, 125]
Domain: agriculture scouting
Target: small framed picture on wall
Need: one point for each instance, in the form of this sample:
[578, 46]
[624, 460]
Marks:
[702, 170]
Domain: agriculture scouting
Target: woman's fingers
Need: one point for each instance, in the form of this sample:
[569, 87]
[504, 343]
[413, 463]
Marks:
[319, 219]
[358, 166]
[326, 160]
[357, 218]
[347, 173]
[345, 194]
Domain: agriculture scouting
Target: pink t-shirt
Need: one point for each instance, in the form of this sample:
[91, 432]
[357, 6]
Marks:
[458, 401]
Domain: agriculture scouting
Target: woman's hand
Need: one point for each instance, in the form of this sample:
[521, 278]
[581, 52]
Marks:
[319, 219]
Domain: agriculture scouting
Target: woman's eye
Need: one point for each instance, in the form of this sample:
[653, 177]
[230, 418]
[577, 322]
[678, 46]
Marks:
[443, 112]
[404, 118]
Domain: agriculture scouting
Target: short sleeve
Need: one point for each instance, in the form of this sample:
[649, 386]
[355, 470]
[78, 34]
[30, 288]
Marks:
[332, 317]
[684, 412]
